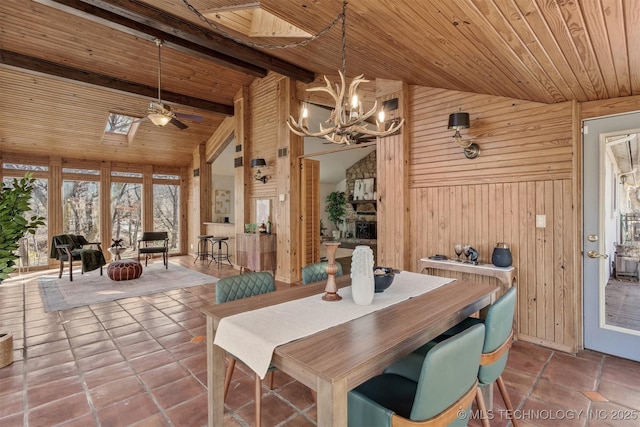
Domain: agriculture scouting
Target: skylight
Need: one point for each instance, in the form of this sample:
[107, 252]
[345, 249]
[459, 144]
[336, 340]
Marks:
[120, 129]
[119, 123]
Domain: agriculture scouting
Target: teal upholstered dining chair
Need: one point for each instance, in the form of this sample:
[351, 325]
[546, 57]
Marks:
[316, 272]
[238, 287]
[497, 342]
[445, 387]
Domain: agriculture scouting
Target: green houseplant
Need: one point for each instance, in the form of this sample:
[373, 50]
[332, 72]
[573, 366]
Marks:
[336, 207]
[14, 202]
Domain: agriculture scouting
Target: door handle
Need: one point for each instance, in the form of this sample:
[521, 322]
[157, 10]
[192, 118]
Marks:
[594, 254]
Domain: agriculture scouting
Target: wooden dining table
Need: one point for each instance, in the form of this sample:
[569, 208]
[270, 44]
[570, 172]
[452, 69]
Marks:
[340, 358]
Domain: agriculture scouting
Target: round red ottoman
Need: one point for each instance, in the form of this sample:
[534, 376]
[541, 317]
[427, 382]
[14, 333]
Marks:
[126, 269]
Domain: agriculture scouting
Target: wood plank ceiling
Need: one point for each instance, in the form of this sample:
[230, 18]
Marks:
[540, 50]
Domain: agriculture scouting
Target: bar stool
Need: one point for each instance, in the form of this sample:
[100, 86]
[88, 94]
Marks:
[203, 251]
[220, 256]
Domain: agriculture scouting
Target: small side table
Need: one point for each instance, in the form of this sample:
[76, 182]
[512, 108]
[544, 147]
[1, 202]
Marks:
[506, 275]
[116, 252]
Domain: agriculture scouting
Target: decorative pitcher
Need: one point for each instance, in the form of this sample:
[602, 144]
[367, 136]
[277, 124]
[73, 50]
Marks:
[501, 256]
[362, 281]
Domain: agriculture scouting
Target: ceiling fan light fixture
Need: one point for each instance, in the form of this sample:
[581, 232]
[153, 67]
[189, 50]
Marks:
[159, 119]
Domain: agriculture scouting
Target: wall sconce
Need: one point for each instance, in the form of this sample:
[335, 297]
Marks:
[459, 121]
[256, 163]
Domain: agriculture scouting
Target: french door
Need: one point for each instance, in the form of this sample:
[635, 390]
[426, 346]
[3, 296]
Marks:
[608, 194]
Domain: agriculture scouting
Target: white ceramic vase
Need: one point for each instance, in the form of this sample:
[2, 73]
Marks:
[362, 282]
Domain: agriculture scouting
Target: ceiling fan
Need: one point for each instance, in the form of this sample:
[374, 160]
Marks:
[159, 113]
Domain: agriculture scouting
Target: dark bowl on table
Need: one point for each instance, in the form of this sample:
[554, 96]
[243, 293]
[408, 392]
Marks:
[383, 277]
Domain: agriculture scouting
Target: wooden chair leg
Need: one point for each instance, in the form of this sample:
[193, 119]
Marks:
[484, 415]
[61, 268]
[258, 397]
[507, 401]
[227, 376]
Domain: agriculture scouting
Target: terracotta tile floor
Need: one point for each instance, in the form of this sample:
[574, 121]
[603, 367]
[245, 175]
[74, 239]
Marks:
[139, 362]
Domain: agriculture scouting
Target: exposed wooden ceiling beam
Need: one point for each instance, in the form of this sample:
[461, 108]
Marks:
[25, 62]
[126, 25]
[142, 18]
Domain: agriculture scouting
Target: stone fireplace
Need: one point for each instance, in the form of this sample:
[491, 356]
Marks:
[358, 213]
[366, 230]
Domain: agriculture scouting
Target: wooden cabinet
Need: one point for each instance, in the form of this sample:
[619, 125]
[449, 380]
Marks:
[256, 251]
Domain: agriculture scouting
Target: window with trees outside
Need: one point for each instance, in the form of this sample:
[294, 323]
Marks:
[166, 208]
[126, 211]
[81, 204]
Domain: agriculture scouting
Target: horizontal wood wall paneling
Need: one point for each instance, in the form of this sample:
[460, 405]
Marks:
[516, 144]
[589, 110]
[525, 168]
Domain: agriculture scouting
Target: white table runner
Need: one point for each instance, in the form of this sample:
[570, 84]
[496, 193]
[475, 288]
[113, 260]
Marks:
[253, 335]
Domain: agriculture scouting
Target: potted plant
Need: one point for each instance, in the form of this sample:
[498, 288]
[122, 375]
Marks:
[336, 208]
[14, 202]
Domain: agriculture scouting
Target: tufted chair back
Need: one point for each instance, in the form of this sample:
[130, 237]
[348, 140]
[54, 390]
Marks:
[316, 272]
[243, 286]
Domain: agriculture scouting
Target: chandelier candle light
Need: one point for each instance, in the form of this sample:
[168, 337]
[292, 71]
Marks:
[348, 118]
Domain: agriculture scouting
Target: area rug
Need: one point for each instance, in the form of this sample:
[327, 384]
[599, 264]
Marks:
[91, 288]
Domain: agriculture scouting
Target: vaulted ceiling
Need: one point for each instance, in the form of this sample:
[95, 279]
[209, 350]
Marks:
[64, 64]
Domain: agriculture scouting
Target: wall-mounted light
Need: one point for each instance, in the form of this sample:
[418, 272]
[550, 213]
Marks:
[388, 124]
[256, 163]
[460, 121]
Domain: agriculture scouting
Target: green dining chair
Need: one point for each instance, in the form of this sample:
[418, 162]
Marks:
[316, 272]
[495, 351]
[238, 287]
[441, 395]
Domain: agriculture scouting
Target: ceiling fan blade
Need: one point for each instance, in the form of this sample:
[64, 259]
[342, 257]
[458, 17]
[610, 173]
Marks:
[140, 120]
[177, 123]
[192, 117]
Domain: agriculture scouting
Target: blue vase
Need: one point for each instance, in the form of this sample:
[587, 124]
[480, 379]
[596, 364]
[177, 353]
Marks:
[501, 256]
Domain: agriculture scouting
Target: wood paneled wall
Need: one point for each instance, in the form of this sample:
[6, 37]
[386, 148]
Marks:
[529, 165]
[272, 101]
[525, 168]
[609, 107]
[393, 221]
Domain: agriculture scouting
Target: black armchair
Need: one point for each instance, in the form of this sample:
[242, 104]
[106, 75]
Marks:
[70, 247]
[154, 242]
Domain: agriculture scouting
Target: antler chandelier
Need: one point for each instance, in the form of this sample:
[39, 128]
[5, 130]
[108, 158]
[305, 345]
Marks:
[348, 119]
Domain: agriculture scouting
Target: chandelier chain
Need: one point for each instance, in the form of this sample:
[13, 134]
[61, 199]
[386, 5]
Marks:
[305, 42]
[344, 37]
